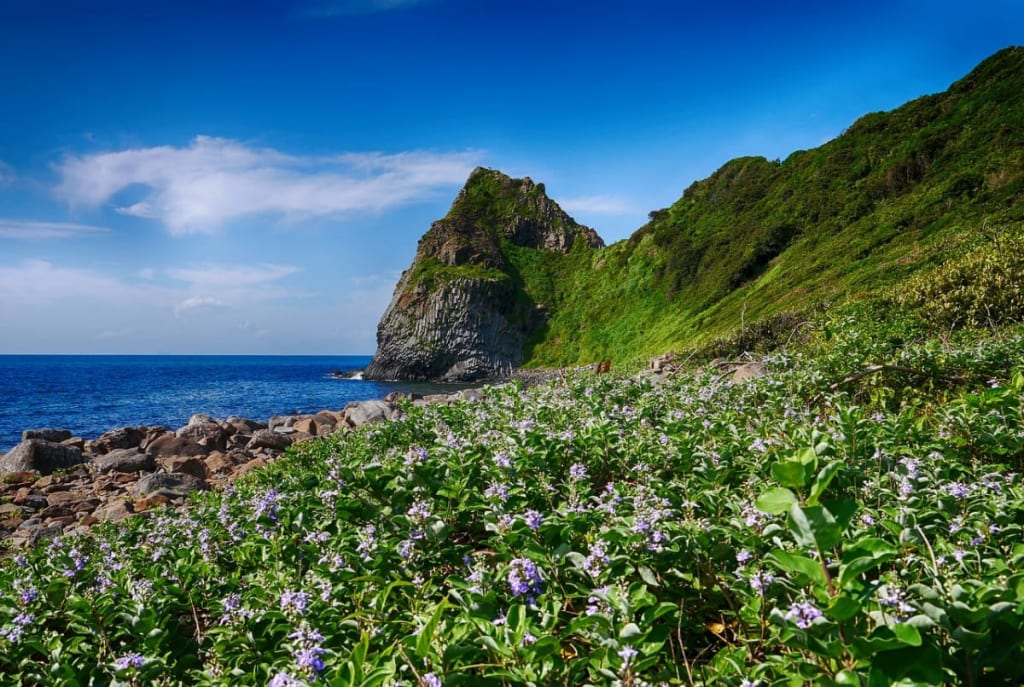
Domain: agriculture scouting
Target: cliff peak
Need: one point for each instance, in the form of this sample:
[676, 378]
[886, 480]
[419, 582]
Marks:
[464, 310]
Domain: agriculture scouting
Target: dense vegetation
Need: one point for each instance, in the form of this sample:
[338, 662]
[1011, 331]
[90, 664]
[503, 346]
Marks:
[898, 194]
[854, 517]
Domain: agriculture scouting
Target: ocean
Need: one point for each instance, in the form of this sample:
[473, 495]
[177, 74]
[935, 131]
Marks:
[90, 394]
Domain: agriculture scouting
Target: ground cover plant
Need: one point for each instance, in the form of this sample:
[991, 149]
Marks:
[852, 518]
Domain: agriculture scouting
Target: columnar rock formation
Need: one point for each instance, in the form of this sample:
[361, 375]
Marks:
[465, 309]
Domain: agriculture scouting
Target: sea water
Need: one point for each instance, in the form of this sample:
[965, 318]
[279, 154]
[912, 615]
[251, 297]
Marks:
[90, 394]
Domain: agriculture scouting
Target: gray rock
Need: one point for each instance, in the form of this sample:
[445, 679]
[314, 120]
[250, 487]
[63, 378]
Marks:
[176, 483]
[170, 445]
[749, 371]
[268, 438]
[209, 434]
[125, 460]
[119, 438]
[360, 413]
[41, 456]
[54, 435]
[244, 426]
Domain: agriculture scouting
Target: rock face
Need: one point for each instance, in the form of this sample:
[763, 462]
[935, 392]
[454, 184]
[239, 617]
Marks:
[467, 306]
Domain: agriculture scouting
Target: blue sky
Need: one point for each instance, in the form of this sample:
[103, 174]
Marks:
[252, 177]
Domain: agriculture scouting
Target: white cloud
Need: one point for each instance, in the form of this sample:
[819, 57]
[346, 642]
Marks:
[224, 276]
[29, 229]
[199, 303]
[352, 8]
[214, 181]
[597, 205]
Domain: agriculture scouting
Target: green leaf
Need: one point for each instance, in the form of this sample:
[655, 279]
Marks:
[822, 480]
[647, 575]
[776, 500]
[907, 633]
[814, 527]
[426, 636]
[630, 631]
[843, 608]
[800, 565]
[791, 473]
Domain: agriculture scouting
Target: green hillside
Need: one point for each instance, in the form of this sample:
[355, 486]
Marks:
[898, 194]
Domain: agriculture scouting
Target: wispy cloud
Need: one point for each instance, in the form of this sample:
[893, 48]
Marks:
[230, 276]
[353, 8]
[198, 303]
[30, 229]
[598, 205]
[7, 174]
[214, 181]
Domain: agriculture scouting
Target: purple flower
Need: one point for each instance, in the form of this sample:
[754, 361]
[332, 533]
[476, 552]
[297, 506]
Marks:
[577, 472]
[523, 578]
[283, 679]
[759, 580]
[533, 519]
[895, 599]
[743, 556]
[502, 461]
[133, 661]
[596, 559]
[406, 549]
[367, 542]
[867, 520]
[419, 511]
[496, 490]
[26, 591]
[416, 456]
[802, 614]
[266, 505]
[528, 639]
[294, 602]
[430, 680]
[21, 620]
[627, 653]
[957, 490]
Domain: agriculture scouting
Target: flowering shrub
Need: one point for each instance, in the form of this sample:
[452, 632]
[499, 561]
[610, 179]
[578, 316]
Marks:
[807, 527]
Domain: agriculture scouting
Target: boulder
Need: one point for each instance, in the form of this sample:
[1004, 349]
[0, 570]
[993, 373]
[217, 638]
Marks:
[54, 435]
[119, 438]
[305, 424]
[41, 456]
[169, 484]
[170, 445]
[114, 510]
[218, 463]
[268, 438]
[749, 371]
[244, 426]
[360, 413]
[281, 421]
[125, 460]
[209, 434]
[190, 465]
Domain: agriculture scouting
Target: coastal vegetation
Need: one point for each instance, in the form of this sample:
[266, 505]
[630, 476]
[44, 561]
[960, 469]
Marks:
[853, 517]
[901, 195]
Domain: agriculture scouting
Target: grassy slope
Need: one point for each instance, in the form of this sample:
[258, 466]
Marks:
[897, 194]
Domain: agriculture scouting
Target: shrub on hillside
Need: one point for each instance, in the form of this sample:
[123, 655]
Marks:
[983, 287]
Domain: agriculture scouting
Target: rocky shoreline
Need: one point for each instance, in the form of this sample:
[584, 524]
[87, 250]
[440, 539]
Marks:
[53, 483]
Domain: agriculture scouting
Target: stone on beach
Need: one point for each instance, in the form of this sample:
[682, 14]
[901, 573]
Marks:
[42, 456]
[124, 460]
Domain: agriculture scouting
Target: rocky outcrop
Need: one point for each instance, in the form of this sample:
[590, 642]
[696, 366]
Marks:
[469, 303]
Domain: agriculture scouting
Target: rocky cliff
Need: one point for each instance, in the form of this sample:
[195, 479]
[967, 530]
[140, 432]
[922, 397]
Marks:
[471, 300]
